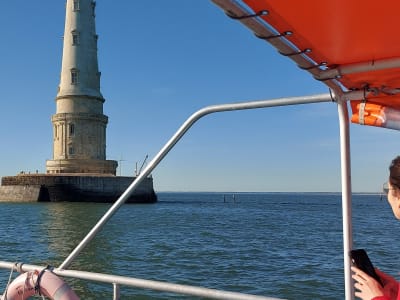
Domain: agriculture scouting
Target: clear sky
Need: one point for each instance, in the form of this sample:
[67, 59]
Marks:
[160, 62]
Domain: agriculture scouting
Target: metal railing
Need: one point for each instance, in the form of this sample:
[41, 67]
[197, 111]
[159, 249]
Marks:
[115, 280]
[171, 143]
[161, 286]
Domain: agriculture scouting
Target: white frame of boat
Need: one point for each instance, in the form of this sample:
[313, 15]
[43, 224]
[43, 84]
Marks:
[200, 291]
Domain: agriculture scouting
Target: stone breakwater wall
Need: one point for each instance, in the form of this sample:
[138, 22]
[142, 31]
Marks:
[20, 193]
[73, 188]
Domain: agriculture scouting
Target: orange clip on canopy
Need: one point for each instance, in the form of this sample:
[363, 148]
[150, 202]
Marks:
[358, 41]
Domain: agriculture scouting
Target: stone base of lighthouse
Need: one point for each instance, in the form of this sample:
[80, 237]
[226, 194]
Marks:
[87, 166]
[73, 188]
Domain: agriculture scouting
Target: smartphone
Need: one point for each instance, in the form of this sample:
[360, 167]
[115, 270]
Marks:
[361, 260]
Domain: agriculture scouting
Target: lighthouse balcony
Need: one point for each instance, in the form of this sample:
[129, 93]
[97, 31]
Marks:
[81, 166]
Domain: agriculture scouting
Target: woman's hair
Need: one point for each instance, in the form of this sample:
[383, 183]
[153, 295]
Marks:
[394, 176]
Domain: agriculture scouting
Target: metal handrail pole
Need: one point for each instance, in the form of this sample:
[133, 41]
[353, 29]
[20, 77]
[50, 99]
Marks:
[141, 283]
[116, 291]
[170, 144]
[346, 195]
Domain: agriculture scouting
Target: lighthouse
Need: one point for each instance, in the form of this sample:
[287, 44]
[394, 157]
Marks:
[79, 125]
[79, 170]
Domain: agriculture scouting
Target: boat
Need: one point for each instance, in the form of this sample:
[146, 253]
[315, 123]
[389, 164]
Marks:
[358, 62]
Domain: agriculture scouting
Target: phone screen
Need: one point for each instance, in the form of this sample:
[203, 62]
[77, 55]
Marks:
[361, 260]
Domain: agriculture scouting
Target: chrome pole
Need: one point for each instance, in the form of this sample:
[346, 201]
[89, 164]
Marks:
[346, 195]
[116, 291]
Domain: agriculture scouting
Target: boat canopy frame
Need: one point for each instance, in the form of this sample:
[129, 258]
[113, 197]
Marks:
[330, 73]
[366, 77]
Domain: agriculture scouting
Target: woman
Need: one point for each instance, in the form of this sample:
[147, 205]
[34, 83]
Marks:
[366, 287]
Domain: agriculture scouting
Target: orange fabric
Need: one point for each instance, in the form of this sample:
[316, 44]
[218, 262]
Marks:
[375, 114]
[337, 31]
[342, 32]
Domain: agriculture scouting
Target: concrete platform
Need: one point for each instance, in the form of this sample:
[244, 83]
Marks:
[73, 188]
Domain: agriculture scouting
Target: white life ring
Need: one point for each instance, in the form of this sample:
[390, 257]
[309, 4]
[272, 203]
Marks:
[45, 283]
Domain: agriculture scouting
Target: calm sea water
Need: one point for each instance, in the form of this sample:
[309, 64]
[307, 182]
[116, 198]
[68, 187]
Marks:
[273, 244]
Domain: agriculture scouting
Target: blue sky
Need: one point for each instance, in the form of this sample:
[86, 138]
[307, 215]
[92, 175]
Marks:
[160, 62]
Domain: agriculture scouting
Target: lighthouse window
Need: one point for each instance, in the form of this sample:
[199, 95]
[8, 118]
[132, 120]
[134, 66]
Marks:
[75, 38]
[93, 8]
[74, 76]
[71, 129]
[76, 5]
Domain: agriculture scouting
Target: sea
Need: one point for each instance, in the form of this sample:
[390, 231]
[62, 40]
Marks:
[281, 245]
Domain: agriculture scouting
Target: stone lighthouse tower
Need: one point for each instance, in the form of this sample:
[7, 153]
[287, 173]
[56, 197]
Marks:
[79, 170]
[79, 125]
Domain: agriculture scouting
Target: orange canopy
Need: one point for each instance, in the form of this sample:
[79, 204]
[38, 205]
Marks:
[339, 36]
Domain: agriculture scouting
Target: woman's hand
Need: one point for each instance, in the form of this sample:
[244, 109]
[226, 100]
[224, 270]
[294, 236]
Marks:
[366, 287]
